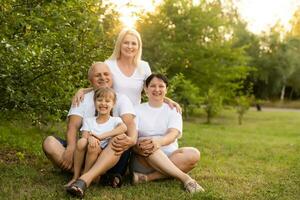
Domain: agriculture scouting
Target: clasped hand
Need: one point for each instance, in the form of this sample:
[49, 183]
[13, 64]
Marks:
[147, 146]
[121, 143]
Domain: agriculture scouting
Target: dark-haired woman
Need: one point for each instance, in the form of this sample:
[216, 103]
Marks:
[157, 152]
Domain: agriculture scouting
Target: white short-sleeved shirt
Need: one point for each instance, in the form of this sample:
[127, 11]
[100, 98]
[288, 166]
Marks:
[154, 122]
[90, 124]
[87, 107]
[131, 86]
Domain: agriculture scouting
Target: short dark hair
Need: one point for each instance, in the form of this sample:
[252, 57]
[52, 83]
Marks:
[159, 76]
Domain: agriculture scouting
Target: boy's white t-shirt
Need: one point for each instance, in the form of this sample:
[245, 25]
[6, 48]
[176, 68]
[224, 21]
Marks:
[154, 122]
[91, 124]
[87, 107]
[131, 86]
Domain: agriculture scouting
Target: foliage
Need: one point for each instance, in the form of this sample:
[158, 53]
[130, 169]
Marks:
[46, 48]
[212, 102]
[195, 40]
[242, 105]
[185, 93]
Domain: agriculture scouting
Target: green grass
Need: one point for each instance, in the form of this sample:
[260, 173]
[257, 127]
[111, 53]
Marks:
[257, 160]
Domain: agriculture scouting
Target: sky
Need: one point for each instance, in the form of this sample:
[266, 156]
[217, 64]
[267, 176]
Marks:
[262, 14]
[259, 14]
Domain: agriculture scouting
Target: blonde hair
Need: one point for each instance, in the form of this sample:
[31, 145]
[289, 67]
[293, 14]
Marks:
[117, 50]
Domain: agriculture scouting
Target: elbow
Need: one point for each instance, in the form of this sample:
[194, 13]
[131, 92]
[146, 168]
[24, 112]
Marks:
[124, 128]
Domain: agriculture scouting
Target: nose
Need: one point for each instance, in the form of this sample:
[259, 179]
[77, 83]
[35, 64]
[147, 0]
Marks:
[101, 77]
[130, 45]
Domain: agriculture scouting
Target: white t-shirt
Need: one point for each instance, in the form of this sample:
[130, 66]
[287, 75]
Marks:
[90, 124]
[154, 122]
[131, 86]
[87, 107]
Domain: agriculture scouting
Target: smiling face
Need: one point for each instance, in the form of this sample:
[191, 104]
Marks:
[100, 76]
[156, 90]
[104, 105]
[104, 101]
[129, 46]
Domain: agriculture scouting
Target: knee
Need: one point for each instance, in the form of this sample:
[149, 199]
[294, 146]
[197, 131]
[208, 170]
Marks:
[194, 156]
[92, 149]
[81, 144]
[49, 144]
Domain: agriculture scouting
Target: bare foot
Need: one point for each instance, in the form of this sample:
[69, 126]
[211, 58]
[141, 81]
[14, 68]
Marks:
[70, 182]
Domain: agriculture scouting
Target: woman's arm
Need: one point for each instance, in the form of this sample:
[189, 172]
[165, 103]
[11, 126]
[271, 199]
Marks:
[121, 128]
[173, 104]
[79, 96]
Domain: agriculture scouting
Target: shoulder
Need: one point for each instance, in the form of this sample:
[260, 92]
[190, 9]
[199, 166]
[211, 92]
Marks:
[121, 98]
[144, 64]
[109, 61]
[140, 107]
[89, 119]
[115, 118]
[172, 112]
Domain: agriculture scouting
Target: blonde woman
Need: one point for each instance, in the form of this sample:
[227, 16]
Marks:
[128, 69]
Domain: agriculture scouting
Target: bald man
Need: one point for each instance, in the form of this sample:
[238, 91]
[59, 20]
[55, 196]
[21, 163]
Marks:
[60, 151]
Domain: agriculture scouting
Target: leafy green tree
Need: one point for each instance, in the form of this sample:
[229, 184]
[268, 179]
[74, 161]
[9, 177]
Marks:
[242, 105]
[186, 93]
[195, 40]
[46, 48]
[213, 103]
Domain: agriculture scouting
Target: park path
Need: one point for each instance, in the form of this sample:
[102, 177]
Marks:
[269, 109]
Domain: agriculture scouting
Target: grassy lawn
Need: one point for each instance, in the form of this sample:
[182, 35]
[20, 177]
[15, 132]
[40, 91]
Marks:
[257, 160]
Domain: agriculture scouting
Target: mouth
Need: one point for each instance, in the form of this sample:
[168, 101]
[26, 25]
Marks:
[156, 94]
[103, 108]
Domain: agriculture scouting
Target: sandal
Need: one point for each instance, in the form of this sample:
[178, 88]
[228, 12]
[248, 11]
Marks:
[77, 188]
[115, 180]
[139, 178]
[192, 186]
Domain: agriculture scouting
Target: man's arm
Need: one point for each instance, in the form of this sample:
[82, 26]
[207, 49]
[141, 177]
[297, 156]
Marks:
[74, 124]
[123, 142]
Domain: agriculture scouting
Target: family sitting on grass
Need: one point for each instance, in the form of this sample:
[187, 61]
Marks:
[116, 128]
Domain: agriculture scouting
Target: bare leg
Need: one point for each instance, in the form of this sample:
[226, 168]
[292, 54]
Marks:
[185, 159]
[78, 158]
[54, 150]
[91, 157]
[106, 160]
[160, 162]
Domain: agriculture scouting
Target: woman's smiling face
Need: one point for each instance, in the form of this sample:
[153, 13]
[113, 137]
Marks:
[129, 46]
[156, 89]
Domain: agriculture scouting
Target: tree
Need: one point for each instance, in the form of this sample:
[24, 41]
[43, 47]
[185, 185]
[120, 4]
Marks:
[195, 40]
[46, 48]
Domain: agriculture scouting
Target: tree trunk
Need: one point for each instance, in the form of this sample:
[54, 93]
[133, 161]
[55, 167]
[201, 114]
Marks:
[282, 93]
